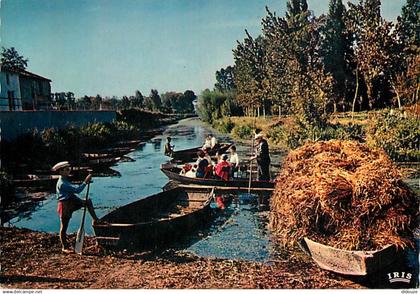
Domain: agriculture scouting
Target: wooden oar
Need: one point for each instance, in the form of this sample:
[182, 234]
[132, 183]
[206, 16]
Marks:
[78, 247]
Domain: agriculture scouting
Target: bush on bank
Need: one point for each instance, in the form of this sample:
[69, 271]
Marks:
[399, 136]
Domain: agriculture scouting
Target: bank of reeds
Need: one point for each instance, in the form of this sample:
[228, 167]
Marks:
[343, 194]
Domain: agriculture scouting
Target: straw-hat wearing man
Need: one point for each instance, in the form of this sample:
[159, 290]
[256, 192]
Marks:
[68, 202]
[262, 155]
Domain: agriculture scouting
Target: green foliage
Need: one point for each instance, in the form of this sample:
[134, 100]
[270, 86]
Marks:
[242, 131]
[225, 78]
[398, 136]
[10, 58]
[124, 130]
[178, 102]
[298, 133]
[224, 125]
[213, 105]
[96, 134]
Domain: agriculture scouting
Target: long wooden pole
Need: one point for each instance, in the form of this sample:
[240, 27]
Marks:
[250, 164]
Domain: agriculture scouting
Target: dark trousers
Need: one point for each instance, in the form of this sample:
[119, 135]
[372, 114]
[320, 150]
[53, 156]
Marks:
[263, 171]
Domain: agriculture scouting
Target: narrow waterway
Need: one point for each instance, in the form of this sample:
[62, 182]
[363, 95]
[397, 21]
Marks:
[237, 232]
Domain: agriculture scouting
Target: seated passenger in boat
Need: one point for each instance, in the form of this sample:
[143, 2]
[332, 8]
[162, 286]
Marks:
[223, 168]
[210, 143]
[213, 142]
[219, 155]
[202, 164]
[207, 142]
[233, 160]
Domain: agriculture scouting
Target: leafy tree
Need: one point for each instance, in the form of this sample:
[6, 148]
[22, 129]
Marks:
[213, 105]
[155, 98]
[250, 73]
[71, 100]
[84, 103]
[170, 101]
[373, 48]
[410, 24]
[335, 49]
[125, 103]
[277, 88]
[405, 74]
[11, 59]
[225, 79]
[137, 100]
[96, 102]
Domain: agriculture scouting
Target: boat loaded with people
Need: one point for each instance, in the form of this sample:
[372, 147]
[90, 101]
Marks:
[156, 220]
[173, 173]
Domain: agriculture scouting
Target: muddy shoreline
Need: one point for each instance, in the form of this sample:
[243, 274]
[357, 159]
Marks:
[34, 260]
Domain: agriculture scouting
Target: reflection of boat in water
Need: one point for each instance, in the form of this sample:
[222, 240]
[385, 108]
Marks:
[358, 263]
[156, 220]
[172, 172]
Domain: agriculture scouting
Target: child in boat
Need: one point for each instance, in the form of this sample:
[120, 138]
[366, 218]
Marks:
[68, 202]
[223, 168]
[233, 160]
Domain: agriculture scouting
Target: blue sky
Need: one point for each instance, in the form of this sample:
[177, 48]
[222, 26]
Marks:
[114, 47]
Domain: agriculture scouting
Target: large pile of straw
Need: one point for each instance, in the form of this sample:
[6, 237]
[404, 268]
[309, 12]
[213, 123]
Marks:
[343, 194]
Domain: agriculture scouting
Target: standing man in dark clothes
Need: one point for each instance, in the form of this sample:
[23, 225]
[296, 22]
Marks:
[262, 156]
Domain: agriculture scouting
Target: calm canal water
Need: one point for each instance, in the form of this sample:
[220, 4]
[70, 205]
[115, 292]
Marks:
[237, 232]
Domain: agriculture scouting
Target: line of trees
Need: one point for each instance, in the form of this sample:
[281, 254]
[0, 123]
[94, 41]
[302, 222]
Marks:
[169, 102]
[348, 60]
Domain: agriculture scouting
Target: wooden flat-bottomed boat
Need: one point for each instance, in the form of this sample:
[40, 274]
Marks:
[173, 173]
[39, 182]
[157, 220]
[346, 262]
[115, 151]
[187, 155]
[102, 162]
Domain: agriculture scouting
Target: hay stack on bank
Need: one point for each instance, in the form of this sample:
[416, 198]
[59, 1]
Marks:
[343, 194]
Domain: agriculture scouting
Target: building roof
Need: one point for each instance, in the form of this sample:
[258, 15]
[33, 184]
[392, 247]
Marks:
[31, 75]
[25, 74]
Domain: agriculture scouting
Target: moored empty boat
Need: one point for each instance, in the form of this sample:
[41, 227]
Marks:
[346, 262]
[157, 220]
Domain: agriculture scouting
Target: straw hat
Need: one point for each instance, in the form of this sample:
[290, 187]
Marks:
[60, 165]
